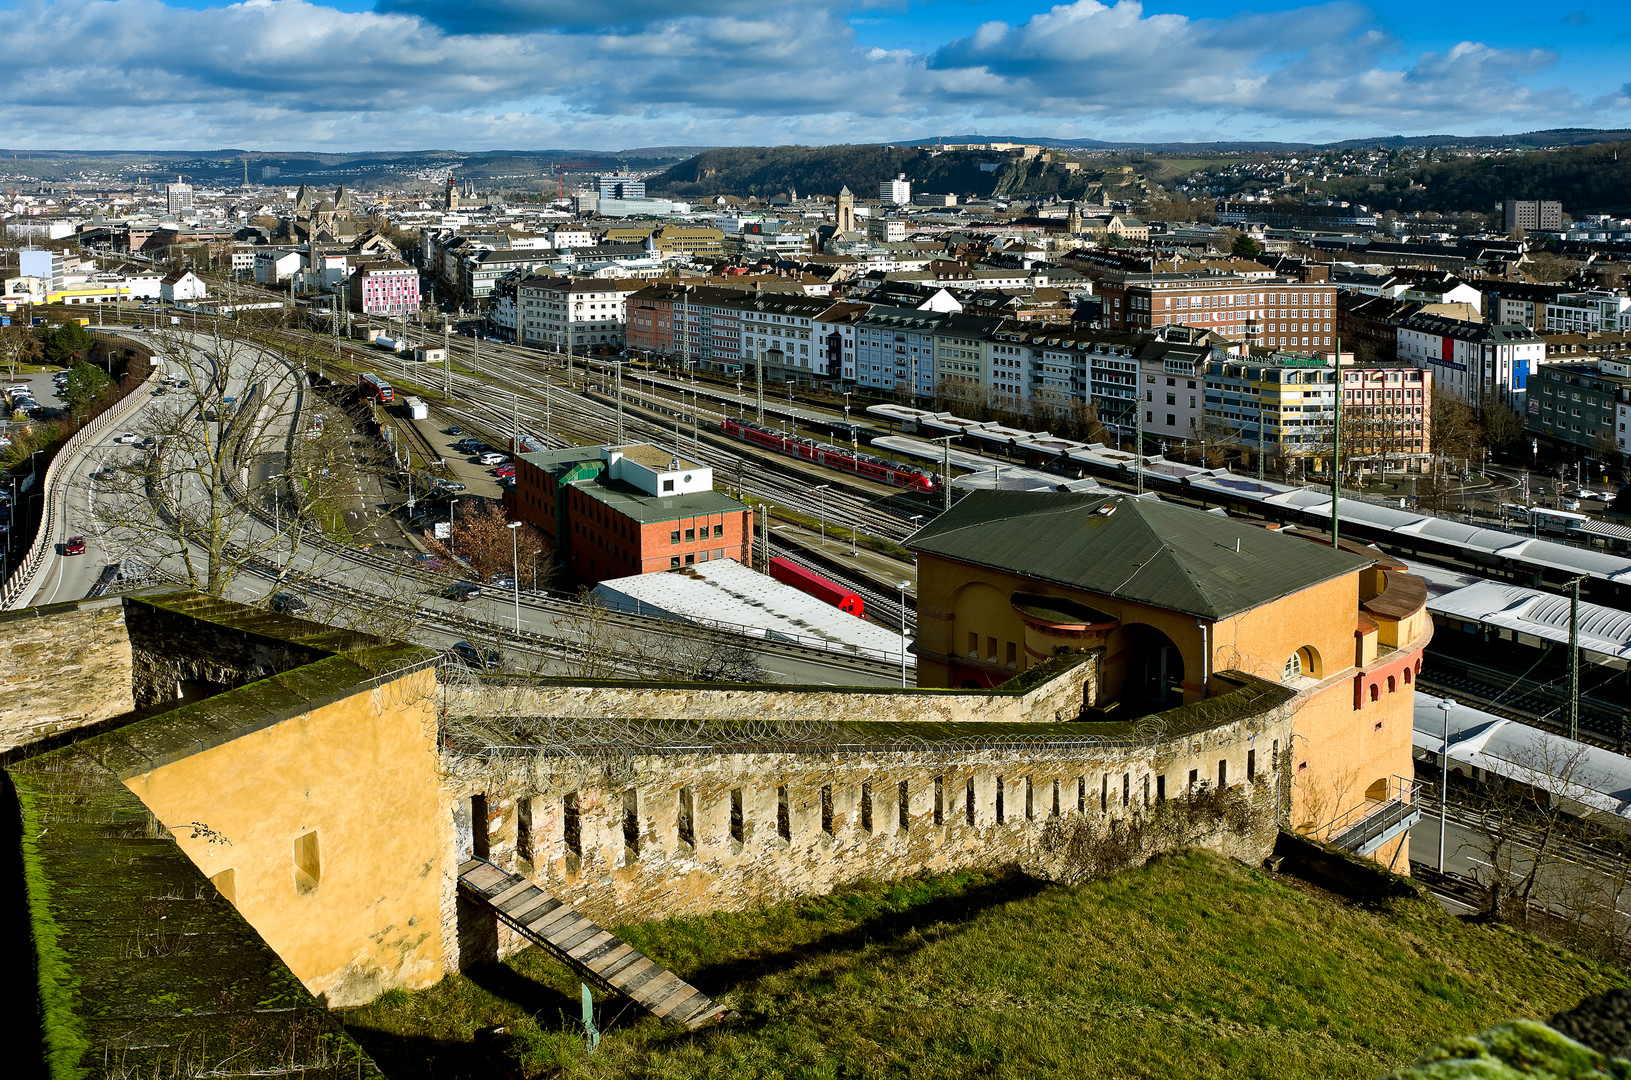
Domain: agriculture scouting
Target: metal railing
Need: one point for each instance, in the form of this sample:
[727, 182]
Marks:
[54, 492]
[1374, 822]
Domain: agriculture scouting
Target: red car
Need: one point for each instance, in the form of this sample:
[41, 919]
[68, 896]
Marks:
[504, 470]
[74, 545]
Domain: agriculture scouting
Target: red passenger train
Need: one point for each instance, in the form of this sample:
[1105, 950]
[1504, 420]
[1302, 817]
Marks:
[823, 589]
[371, 385]
[836, 457]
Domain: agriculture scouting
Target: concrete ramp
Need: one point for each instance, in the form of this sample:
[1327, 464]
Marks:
[602, 957]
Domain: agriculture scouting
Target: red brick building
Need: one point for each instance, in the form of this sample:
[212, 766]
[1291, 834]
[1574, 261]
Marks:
[1269, 312]
[614, 511]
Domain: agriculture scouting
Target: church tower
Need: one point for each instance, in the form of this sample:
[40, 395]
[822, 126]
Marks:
[1073, 220]
[846, 210]
[452, 193]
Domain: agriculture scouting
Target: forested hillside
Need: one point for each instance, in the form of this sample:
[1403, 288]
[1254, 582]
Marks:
[768, 171]
[1583, 178]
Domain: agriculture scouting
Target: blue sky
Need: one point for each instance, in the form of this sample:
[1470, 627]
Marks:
[398, 74]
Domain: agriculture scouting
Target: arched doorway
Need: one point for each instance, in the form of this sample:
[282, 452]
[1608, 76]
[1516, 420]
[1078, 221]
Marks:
[1155, 667]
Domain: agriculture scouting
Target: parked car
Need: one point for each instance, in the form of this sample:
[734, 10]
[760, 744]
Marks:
[502, 581]
[449, 485]
[287, 603]
[480, 659]
[74, 545]
[462, 591]
[503, 470]
[429, 561]
[493, 458]
[455, 430]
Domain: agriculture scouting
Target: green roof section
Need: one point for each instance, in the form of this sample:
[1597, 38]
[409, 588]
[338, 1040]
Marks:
[582, 467]
[1137, 549]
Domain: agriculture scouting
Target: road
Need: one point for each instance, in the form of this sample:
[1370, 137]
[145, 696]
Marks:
[339, 577]
[1573, 878]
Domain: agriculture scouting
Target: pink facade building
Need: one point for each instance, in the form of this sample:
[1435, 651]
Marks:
[386, 288]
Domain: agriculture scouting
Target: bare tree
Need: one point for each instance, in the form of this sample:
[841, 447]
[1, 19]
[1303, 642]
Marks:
[483, 539]
[187, 496]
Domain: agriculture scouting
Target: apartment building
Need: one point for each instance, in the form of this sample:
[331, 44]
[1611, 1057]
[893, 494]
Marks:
[894, 350]
[580, 314]
[896, 192]
[1285, 405]
[1587, 312]
[385, 288]
[1271, 313]
[1474, 361]
[1387, 414]
[1582, 404]
[782, 328]
[1533, 215]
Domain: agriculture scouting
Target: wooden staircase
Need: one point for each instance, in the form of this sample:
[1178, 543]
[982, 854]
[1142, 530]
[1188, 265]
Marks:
[602, 956]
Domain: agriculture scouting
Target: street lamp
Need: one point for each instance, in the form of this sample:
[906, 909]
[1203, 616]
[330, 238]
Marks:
[277, 521]
[821, 490]
[903, 586]
[515, 568]
[1444, 705]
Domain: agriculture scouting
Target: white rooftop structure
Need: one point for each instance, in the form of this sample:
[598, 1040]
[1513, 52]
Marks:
[1588, 776]
[1603, 630]
[985, 474]
[728, 595]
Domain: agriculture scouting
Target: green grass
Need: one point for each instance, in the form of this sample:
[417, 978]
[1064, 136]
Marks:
[1192, 966]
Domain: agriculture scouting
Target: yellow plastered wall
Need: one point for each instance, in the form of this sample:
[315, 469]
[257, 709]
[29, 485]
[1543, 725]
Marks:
[1321, 617]
[976, 600]
[1339, 752]
[362, 774]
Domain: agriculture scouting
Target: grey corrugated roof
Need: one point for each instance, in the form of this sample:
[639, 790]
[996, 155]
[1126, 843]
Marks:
[1143, 550]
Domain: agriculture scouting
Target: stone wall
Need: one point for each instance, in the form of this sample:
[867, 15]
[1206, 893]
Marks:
[632, 836]
[180, 655]
[1060, 697]
[62, 667]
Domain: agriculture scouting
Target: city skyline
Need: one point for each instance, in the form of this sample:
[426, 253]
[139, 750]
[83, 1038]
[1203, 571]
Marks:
[536, 74]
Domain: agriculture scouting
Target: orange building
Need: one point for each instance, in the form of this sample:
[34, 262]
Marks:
[1173, 596]
[613, 511]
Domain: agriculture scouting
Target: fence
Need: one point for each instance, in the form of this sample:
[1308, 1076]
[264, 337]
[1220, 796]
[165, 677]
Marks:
[56, 495]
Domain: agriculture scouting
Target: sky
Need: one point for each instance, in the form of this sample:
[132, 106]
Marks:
[353, 75]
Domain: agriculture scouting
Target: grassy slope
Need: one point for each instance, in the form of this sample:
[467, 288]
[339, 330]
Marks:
[1191, 966]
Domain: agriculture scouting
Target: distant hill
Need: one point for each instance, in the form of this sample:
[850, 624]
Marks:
[1587, 178]
[768, 171]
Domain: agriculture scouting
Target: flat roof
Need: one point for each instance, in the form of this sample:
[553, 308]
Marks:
[656, 458]
[725, 593]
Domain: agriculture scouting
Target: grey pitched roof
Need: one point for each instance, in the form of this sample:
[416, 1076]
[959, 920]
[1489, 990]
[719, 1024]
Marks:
[1141, 550]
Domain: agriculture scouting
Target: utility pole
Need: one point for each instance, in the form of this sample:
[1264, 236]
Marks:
[1336, 451]
[759, 380]
[617, 372]
[1138, 445]
[764, 534]
[1574, 658]
[1262, 439]
[447, 359]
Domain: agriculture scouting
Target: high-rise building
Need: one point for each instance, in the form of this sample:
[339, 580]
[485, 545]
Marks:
[620, 186]
[1530, 215]
[897, 191]
[178, 197]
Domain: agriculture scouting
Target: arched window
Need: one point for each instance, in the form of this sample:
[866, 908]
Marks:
[1407, 676]
[1392, 684]
[1375, 692]
[1293, 668]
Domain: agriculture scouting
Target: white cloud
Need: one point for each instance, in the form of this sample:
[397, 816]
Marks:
[290, 73]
